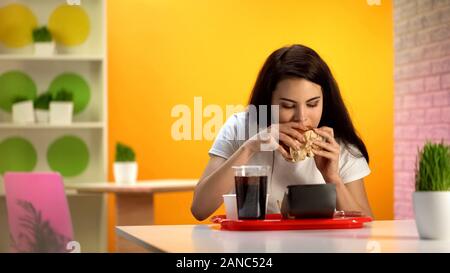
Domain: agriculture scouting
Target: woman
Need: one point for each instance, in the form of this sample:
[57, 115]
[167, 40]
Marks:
[297, 80]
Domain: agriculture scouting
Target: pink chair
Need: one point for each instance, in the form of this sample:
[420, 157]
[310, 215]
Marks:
[38, 212]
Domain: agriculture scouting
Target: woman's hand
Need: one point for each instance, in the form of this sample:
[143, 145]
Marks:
[327, 159]
[270, 138]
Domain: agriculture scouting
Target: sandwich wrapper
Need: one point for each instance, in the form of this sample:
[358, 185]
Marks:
[306, 148]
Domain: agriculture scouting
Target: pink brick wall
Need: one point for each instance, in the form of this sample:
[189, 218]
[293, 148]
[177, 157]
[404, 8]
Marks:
[422, 88]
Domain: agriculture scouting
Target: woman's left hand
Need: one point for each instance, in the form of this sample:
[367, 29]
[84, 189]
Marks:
[327, 159]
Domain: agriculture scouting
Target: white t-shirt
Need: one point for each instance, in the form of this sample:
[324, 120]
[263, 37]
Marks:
[284, 173]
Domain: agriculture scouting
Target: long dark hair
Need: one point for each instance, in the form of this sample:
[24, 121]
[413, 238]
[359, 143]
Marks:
[303, 62]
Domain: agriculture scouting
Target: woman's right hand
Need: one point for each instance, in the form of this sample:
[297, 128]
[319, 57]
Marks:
[273, 138]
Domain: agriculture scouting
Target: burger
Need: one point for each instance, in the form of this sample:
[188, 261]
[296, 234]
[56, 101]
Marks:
[306, 149]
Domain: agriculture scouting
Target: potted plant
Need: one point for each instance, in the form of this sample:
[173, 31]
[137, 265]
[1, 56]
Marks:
[125, 166]
[61, 108]
[43, 41]
[41, 107]
[22, 110]
[432, 196]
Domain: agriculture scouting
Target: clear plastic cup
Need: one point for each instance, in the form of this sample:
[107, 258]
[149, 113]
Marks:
[251, 191]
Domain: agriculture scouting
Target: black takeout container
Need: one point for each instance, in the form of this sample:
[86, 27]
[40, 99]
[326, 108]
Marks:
[309, 201]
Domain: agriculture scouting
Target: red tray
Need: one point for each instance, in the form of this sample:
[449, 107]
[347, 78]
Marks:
[275, 222]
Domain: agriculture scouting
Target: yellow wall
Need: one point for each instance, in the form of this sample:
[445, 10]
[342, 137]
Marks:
[165, 52]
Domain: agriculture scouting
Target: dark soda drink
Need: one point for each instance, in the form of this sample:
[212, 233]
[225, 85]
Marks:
[251, 197]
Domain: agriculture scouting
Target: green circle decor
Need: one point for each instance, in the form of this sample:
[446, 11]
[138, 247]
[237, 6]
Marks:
[68, 155]
[14, 84]
[17, 155]
[77, 85]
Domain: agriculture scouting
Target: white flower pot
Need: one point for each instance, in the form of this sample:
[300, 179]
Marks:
[42, 116]
[432, 213]
[22, 112]
[44, 48]
[125, 172]
[61, 112]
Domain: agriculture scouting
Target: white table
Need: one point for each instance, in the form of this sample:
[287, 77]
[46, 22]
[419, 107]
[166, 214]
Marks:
[134, 203]
[378, 236]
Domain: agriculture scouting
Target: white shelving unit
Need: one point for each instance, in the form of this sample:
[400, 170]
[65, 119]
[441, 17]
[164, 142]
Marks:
[76, 125]
[21, 57]
[88, 211]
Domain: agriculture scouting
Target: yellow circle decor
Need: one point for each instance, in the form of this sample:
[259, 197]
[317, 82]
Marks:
[17, 22]
[69, 25]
